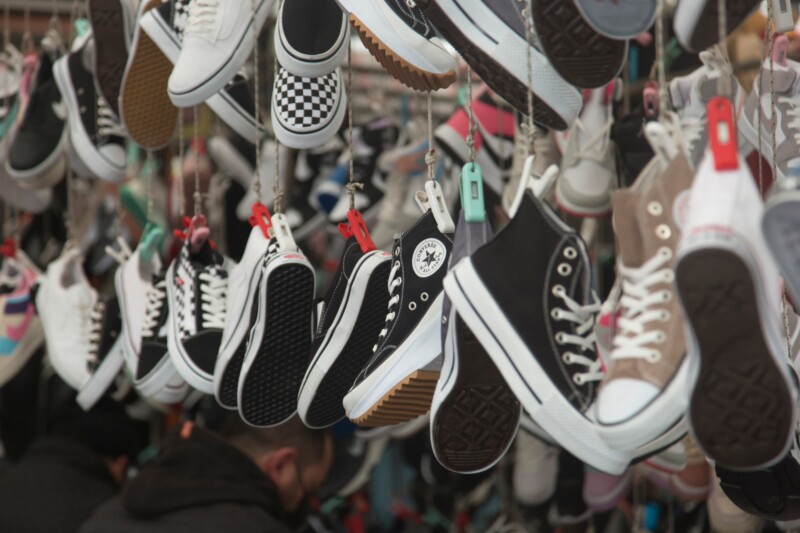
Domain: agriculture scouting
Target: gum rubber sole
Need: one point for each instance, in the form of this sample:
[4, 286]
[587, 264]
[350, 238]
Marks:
[478, 419]
[576, 51]
[403, 71]
[148, 113]
[111, 55]
[409, 399]
[706, 32]
[772, 493]
[741, 409]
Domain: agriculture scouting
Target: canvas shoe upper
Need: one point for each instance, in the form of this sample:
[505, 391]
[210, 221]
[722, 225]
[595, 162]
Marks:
[20, 329]
[197, 287]
[311, 37]
[217, 40]
[642, 393]
[696, 22]
[588, 167]
[111, 53]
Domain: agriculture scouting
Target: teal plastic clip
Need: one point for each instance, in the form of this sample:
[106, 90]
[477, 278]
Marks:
[471, 182]
[152, 237]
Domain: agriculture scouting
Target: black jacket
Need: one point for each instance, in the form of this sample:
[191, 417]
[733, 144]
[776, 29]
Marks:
[196, 484]
[56, 486]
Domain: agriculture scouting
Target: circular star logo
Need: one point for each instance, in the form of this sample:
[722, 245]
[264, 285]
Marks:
[429, 256]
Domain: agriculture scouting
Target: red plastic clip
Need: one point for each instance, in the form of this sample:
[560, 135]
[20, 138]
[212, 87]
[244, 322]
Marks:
[8, 248]
[261, 218]
[722, 134]
[357, 228]
[650, 100]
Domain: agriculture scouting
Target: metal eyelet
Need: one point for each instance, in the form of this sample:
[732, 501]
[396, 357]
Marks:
[654, 357]
[424, 296]
[83, 109]
[567, 358]
[665, 252]
[412, 306]
[661, 338]
[556, 314]
[669, 276]
[667, 296]
[663, 232]
[578, 379]
[564, 269]
[655, 209]
[570, 252]
[397, 251]
[665, 316]
[558, 290]
[560, 338]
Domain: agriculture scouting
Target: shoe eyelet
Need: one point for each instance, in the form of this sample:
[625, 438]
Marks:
[661, 338]
[80, 91]
[556, 314]
[570, 252]
[412, 306]
[424, 296]
[558, 290]
[567, 358]
[666, 296]
[663, 232]
[654, 357]
[665, 316]
[83, 109]
[669, 276]
[564, 269]
[655, 208]
[559, 337]
[578, 379]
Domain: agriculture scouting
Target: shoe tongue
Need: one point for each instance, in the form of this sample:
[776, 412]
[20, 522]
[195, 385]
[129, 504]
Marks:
[626, 227]
[198, 238]
[82, 296]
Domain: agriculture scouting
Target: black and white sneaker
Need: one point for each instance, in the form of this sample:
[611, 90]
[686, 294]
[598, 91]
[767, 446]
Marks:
[303, 217]
[474, 415]
[36, 158]
[234, 103]
[531, 308]
[351, 319]
[278, 348]
[311, 37]
[307, 112]
[111, 52]
[96, 137]
[397, 383]
[197, 287]
[402, 39]
[105, 359]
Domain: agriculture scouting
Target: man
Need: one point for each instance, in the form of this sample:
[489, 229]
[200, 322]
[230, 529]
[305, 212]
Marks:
[248, 480]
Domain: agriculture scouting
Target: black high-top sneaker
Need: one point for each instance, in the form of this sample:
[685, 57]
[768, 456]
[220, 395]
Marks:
[278, 347]
[351, 320]
[303, 217]
[474, 416]
[105, 358]
[311, 37]
[197, 287]
[397, 383]
[531, 308]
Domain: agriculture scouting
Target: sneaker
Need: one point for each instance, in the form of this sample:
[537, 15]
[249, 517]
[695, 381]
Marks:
[108, 360]
[535, 470]
[145, 108]
[304, 219]
[731, 295]
[621, 19]
[532, 310]
[693, 482]
[602, 492]
[350, 321]
[398, 382]
[307, 112]
[21, 333]
[96, 140]
[217, 40]
[474, 415]
[111, 52]
[492, 40]
[580, 54]
[311, 37]
[279, 343]
[546, 152]
[696, 22]
[233, 104]
[724, 515]
[36, 156]
[197, 286]
[240, 318]
[779, 225]
[588, 167]
[402, 39]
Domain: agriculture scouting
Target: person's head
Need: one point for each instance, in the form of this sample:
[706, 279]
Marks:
[297, 459]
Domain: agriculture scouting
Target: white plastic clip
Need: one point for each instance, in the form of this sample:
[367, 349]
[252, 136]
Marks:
[782, 13]
[433, 198]
[538, 185]
[282, 231]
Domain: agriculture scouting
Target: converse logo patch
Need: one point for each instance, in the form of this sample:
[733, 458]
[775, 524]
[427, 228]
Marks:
[429, 256]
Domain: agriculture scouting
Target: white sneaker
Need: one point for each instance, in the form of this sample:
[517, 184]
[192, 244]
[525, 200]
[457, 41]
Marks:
[535, 469]
[588, 169]
[21, 331]
[217, 41]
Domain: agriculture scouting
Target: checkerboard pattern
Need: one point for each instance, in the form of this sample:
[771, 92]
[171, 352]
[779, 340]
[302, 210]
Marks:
[306, 103]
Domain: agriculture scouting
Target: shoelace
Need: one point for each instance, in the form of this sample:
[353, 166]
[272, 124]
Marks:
[107, 123]
[213, 294]
[584, 336]
[202, 14]
[597, 145]
[691, 130]
[156, 297]
[394, 282]
[794, 112]
[639, 308]
[94, 334]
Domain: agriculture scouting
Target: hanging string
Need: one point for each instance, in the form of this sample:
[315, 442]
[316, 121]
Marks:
[257, 98]
[151, 186]
[179, 168]
[773, 118]
[724, 84]
[661, 63]
[6, 24]
[473, 127]
[27, 40]
[277, 192]
[529, 129]
[430, 157]
[198, 197]
[352, 184]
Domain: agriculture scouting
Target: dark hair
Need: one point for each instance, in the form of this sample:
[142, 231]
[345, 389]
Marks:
[309, 443]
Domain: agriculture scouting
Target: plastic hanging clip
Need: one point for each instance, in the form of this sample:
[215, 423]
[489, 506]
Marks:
[782, 14]
[780, 49]
[538, 185]
[8, 248]
[650, 100]
[722, 134]
[282, 232]
[261, 218]
[433, 199]
[151, 240]
[358, 229]
[472, 193]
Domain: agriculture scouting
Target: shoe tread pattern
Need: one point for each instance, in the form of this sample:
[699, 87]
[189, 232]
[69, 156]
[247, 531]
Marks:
[409, 399]
[111, 57]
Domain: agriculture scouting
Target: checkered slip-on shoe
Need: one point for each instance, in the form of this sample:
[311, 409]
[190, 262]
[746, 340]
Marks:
[307, 112]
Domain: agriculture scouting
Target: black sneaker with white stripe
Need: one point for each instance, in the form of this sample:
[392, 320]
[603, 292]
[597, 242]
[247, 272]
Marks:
[351, 319]
[311, 37]
[105, 358]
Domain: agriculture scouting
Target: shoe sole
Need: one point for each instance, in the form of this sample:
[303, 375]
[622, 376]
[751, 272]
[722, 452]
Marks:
[347, 347]
[582, 56]
[476, 416]
[704, 15]
[111, 53]
[398, 67]
[102, 378]
[781, 228]
[772, 493]
[145, 107]
[741, 404]
[626, 23]
[277, 353]
[406, 401]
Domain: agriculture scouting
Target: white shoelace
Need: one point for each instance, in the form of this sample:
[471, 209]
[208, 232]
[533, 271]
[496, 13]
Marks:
[394, 282]
[156, 297]
[595, 148]
[213, 294]
[584, 337]
[94, 332]
[642, 306]
[202, 14]
[107, 124]
[794, 123]
[691, 130]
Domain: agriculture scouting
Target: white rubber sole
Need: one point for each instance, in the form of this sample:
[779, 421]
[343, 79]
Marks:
[421, 348]
[10, 365]
[575, 209]
[99, 382]
[783, 243]
[307, 66]
[128, 349]
[577, 433]
[306, 140]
